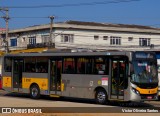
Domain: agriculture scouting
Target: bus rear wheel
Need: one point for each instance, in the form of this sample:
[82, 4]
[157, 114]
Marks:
[101, 96]
[34, 92]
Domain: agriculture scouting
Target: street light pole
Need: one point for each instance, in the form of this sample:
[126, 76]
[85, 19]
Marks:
[6, 18]
[51, 27]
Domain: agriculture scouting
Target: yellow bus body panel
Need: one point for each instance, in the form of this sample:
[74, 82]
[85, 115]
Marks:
[42, 82]
[7, 82]
[147, 91]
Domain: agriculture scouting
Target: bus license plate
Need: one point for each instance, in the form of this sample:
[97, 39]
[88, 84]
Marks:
[149, 97]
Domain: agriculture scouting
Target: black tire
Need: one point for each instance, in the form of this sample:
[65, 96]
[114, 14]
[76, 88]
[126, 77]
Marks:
[101, 96]
[34, 92]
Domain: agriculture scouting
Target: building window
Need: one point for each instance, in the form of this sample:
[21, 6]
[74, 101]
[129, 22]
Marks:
[13, 42]
[67, 38]
[32, 40]
[130, 38]
[114, 40]
[45, 38]
[144, 42]
[105, 37]
[23, 39]
[96, 37]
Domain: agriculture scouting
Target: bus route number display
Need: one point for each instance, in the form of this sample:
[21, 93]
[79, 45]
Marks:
[144, 55]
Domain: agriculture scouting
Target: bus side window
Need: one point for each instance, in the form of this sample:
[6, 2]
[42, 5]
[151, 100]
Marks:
[69, 65]
[81, 65]
[101, 69]
[41, 69]
[82, 68]
[8, 64]
[100, 65]
[27, 68]
[8, 68]
[95, 71]
[89, 68]
[69, 69]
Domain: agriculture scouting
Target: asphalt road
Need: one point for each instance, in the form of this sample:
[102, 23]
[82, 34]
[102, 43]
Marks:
[72, 106]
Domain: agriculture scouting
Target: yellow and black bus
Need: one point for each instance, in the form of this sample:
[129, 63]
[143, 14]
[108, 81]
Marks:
[103, 76]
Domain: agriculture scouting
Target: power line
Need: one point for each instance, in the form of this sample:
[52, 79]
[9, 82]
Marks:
[74, 5]
[138, 18]
[28, 17]
[113, 18]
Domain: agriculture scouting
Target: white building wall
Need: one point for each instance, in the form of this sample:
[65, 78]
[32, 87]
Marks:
[84, 38]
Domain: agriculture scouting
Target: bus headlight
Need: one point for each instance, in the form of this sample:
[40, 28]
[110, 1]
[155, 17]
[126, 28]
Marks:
[135, 91]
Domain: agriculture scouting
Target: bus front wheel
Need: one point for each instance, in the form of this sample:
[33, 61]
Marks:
[101, 96]
[34, 92]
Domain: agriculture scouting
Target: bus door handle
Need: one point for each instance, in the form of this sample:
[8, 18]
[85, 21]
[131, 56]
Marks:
[121, 83]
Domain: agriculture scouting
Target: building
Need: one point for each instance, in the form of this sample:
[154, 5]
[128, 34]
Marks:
[84, 35]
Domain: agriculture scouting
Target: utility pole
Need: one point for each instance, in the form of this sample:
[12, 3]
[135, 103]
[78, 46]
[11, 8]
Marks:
[51, 26]
[6, 18]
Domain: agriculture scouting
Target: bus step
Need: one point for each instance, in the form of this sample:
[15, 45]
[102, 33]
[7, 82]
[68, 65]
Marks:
[53, 95]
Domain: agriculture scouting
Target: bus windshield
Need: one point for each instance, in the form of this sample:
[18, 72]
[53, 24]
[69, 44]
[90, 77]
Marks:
[144, 71]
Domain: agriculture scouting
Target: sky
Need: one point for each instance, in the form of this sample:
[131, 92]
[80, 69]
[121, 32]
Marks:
[25, 13]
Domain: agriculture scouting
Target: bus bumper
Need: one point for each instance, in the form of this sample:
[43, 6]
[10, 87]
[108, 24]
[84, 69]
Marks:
[134, 96]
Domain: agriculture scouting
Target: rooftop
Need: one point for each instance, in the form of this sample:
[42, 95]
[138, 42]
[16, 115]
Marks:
[110, 25]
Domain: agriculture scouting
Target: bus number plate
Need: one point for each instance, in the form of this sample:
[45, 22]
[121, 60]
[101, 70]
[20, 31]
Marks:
[149, 97]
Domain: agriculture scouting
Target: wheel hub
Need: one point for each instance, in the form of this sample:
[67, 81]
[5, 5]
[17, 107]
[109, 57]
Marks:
[34, 92]
[101, 96]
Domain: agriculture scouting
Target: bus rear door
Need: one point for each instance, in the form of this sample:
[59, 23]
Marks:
[17, 75]
[118, 76]
[55, 76]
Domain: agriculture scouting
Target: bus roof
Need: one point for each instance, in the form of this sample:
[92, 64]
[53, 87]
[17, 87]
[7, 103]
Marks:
[107, 53]
[69, 53]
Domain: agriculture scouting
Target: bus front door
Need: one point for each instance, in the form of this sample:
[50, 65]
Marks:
[55, 76]
[17, 74]
[118, 75]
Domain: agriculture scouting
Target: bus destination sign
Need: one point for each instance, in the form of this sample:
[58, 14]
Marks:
[143, 55]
